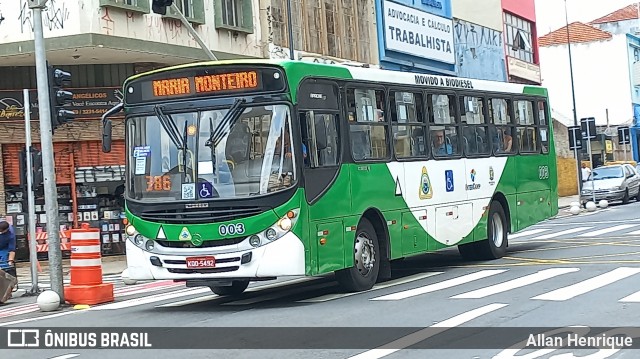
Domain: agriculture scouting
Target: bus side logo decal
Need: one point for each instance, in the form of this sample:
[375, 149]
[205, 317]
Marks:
[426, 191]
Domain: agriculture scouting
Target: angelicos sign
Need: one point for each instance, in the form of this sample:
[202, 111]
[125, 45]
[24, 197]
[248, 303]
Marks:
[418, 33]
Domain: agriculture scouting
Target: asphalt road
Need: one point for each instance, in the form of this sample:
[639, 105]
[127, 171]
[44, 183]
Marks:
[571, 271]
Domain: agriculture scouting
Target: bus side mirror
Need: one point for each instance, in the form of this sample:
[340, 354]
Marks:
[106, 126]
[106, 136]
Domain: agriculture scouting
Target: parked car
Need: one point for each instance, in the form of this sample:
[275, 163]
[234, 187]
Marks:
[613, 183]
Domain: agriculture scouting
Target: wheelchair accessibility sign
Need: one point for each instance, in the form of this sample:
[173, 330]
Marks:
[448, 176]
[205, 190]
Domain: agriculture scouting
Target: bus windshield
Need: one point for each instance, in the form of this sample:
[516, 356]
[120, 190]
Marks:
[209, 154]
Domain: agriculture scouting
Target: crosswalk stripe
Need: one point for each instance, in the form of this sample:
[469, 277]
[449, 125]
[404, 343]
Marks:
[515, 283]
[588, 285]
[528, 233]
[634, 233]
[423, 334]
[562, 233]
[399, 281]
[607, 230]
[441, 285]
[633, 298]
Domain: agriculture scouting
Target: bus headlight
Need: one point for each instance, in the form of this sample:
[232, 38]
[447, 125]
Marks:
[270, 233]
[279, 229]
[254, 241]
[138, 240]
[285, 224]
[149, 245]
[131, 230]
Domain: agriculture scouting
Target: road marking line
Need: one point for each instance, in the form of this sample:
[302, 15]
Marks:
[634, 233]
[250, 289]
[40, 318]
[280, 294]
[528, 233]
[607, 230]
[562, 233]
[588, 285]
[66, 356]
[516, 283]
[442, 285]
[399, 281]
[426, 333]
[150, 299]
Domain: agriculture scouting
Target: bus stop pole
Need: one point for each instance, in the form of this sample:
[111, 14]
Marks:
[33, 251]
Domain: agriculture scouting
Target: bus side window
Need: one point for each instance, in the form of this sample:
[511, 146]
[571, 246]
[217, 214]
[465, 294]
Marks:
[527, 132]
[321, 140]
[543, 126]
[367, 124]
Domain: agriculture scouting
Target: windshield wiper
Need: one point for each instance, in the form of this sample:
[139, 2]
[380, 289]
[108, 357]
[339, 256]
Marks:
[229, 118]
[170, 127]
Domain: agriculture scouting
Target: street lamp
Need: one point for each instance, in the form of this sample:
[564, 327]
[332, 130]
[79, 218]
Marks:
[573, 95]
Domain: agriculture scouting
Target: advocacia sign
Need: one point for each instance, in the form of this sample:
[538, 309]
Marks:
[418, 33]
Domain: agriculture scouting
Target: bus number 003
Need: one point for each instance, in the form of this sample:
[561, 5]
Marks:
[231, 229]
[543, 172]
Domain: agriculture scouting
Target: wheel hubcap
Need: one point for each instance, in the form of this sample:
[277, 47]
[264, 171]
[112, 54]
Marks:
[497, 229]
[364, 254]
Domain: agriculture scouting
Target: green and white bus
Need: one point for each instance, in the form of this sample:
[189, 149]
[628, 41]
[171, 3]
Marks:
[241, 171]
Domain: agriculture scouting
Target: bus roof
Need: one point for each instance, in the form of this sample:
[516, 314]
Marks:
[348, 71]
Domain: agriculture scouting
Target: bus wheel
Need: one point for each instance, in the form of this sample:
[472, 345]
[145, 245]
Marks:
[495, 246]
[236, 288]
[366, 261]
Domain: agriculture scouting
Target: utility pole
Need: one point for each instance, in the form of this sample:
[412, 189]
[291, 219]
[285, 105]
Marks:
[573, 95]
[33, 250]
[193, 32]
[46, 140]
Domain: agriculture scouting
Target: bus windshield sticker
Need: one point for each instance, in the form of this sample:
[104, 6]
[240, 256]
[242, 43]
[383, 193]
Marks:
[141, 165]
[141, 151]
[205, 189]
[188, 191]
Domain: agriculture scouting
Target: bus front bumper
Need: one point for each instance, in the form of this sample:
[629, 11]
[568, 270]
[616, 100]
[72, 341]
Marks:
[282, 257]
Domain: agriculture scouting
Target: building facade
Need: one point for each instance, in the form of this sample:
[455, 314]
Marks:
[323, 31]
[521, 41]
[416, 36]
[478, 39]
[611, 94]
[101, 43]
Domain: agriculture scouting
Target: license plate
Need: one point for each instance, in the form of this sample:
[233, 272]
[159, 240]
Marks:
[201, 262]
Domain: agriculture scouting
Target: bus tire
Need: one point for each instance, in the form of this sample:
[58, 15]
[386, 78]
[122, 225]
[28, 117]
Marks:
[366, 260]
[236, 288]
[495, 246]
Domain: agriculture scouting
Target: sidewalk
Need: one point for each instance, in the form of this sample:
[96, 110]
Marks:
[110, 265]
[565, 202]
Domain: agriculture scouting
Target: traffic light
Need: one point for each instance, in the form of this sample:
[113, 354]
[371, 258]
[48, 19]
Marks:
[59, 97]
[36, 168]
[160, 6]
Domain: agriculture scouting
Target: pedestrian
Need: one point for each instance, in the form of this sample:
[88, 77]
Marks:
[7, 248]
[586, 172]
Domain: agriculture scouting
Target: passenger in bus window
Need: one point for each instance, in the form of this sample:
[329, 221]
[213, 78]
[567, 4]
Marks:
[507, 140]
[440, 148]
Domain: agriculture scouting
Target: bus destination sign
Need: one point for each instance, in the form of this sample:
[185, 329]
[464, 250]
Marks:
[246, 80]
[204, 82]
